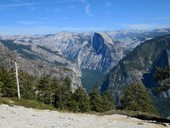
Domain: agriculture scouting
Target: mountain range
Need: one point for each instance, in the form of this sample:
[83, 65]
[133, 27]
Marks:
[90, 55]
[139, 66]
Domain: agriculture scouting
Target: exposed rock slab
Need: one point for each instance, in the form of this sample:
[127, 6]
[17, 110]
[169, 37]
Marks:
[20, 117]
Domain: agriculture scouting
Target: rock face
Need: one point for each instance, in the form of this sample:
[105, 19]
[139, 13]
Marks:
[36, 67]
[86, 51]
[139, 65]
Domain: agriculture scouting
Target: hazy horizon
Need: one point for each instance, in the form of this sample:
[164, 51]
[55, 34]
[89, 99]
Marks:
[113, 30]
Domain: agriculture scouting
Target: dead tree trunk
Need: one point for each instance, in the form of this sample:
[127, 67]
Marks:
[17, 80]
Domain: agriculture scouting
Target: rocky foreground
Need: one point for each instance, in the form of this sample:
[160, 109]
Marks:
[20, 117]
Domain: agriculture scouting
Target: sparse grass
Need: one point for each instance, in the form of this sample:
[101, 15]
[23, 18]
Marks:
[138, 114]
[128, 113]
[26, 103]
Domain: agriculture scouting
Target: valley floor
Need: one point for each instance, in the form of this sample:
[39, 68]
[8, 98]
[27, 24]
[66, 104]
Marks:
[20, 117]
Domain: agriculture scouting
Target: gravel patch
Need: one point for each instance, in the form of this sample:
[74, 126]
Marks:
[20, 117]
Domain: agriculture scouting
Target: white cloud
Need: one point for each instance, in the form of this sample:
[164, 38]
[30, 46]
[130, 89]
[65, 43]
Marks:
[30, 5]
[138, 26]
[27, 30]
[29, 22]
[162, 18]
[83, 1]
[44, 30]
[70, 7]
[18, 3]
[143, 26]
[78, 28]
[87, 7]
[108, 4]
[65, 1]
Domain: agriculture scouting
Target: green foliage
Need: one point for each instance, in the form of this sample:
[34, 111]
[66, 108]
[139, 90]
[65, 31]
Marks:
[26, 103]
[100, 103]
[165, 85]
[82, 98]
[44, 90]
[63, 95]
[1, 85]
[136, 98]
[67, 82]
[51, 91]
[96, 101]
[27, 85]
[73, 105]
[8, 83]
[162, 73]
[109, 101]
[162, 76]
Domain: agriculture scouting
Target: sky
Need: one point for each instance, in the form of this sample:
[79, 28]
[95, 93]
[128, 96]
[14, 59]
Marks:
[51, 16]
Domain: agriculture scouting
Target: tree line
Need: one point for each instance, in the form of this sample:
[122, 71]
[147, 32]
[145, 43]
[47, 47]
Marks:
[58, 93]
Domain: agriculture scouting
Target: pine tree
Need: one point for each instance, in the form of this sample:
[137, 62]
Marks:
[27, 85]
[162, 77]
[96, 101]
[9, 85]
[81, 97]
[1, 85]
[73, 105]
[44, 90]
[63, 95]
[136, 98]
[108, 100]
[162, 73]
